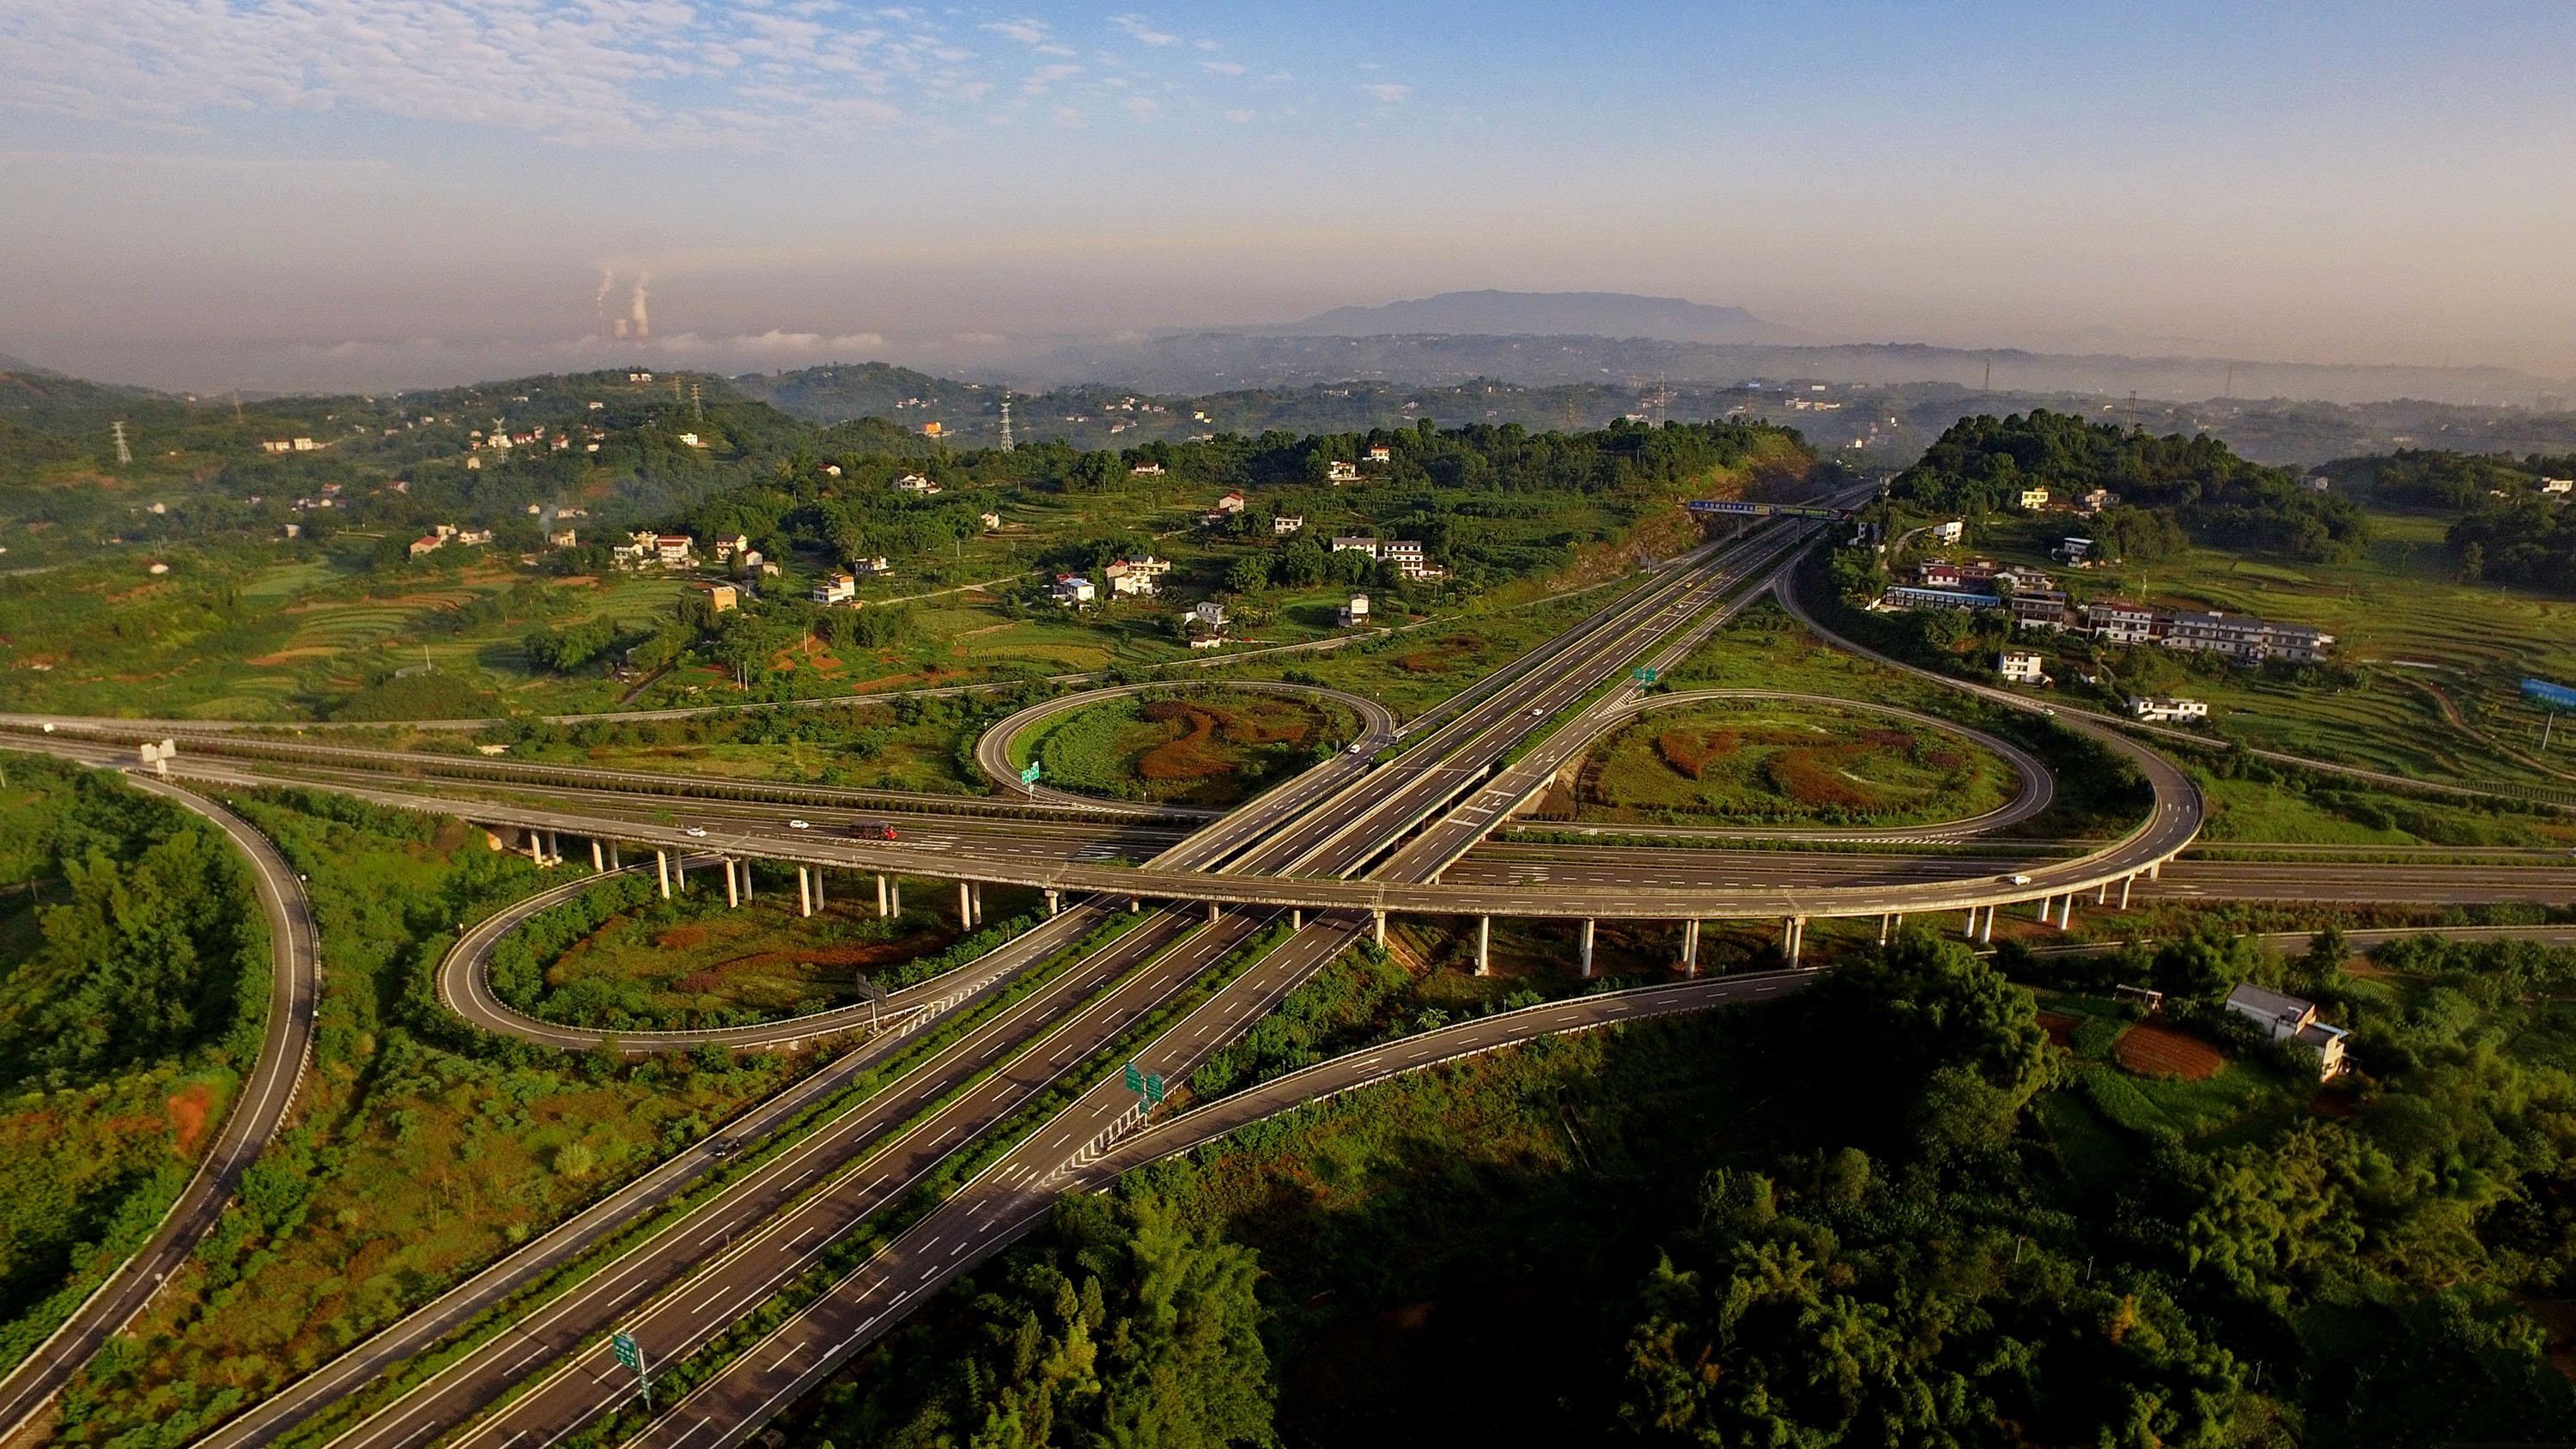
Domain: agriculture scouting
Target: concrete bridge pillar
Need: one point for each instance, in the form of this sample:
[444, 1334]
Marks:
[1377, 928]
[882, 912]
[804, 891]
[2065, 910]
[1296, 918]
[1055, 903]
[2044, 903]
[1887, 923]
[1794, 938]
[1484, 945]
[613, 862]
[1214, 912]
[1690, 947]
[2156, 871]
[975, 900]
[1986, 937]
[554, 849]
[2102, 894]
[818, 887]
[598, 860]
[1588, 926]
[965, 907]
[680, 871]
[2126, 881]
[894, 892]
[746, 880]
[733, 891]
[662, 871]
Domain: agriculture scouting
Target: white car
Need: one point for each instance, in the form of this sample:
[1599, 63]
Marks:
[698, 832]
[1538, 711]
[1358, 747]
[800, 825]
[2017, 879]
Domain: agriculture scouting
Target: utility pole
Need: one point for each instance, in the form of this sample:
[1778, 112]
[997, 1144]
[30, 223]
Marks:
[697, 405]
[1006, 422]
[1990, 376]
[124, 454]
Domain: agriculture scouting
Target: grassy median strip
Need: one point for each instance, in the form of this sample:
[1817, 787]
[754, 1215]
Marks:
[587, 1263]
[871, 1235]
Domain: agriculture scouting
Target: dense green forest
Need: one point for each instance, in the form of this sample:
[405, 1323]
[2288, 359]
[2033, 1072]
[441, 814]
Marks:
[1885, 1211]
[133, 980]
[2506, 529]
[1981, 465]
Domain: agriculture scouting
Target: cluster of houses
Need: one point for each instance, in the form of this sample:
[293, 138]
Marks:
[2094, 500]
[1403, 554]
[446, 533]
[2035, 601]
[1338, 471]
[648, 549]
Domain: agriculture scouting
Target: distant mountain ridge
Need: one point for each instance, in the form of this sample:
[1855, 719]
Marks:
[1493, 313]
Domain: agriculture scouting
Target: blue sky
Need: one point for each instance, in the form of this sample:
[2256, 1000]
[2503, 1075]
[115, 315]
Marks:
[211, 191]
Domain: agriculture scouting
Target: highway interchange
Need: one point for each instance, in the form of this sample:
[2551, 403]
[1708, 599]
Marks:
[1219, 918]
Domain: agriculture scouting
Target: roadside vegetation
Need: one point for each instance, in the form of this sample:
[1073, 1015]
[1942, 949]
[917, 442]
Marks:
[1207, 745]
[618, 958]
[1902, 1206]
[134, 975]
[420, 1148]
[1764, 762]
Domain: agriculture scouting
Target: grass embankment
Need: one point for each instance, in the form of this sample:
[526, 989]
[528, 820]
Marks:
[1208, 746]
[1766, 763]
[421, 1149]
[619, 958]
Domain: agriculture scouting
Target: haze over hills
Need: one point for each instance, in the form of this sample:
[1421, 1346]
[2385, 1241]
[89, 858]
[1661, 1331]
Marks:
[1544, 314]
[1193, 361]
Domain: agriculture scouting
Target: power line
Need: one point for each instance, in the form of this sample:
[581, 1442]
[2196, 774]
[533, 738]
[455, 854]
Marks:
[124, 454]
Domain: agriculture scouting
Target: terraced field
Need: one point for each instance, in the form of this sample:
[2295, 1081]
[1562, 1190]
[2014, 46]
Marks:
[1758, 763]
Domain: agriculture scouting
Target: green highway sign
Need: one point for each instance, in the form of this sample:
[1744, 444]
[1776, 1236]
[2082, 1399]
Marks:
[1645, 675]
[1135, 1079]
[1029, 776]
[1154, 1090]
[627, 1350]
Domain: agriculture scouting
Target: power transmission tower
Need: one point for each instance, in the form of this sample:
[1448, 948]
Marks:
[1006, 423]
[697, 405]
[124, 454]
[1990, 376]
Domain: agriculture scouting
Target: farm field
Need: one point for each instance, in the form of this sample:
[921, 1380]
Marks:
[289, 632]
[1207, 746]
[1761, 762]
[2440, 661]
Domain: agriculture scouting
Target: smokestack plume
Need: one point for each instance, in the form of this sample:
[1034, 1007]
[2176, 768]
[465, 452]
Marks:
[643, 324]
[599, 304]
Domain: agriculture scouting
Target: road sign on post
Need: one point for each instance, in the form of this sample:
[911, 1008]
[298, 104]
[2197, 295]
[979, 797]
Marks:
[1029, 777]
[631, 1354]
[1647, 674]
[1135, 1080]
[1153, 1090]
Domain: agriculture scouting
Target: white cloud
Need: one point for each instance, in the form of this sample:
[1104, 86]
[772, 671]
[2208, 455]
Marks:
[1141, 106]
[1069, 117]
[1135, 28]
[1238, 117]
[600, 73]
[1223, 67]
[1388, 91]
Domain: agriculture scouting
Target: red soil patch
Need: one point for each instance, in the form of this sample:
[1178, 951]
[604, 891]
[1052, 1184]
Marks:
[2060, 1029]
[1189, 757]
[1690, 751]
[1808, 776]
[1441, 657]
[681, 938]
[2157, 1051]
[189, 1108]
